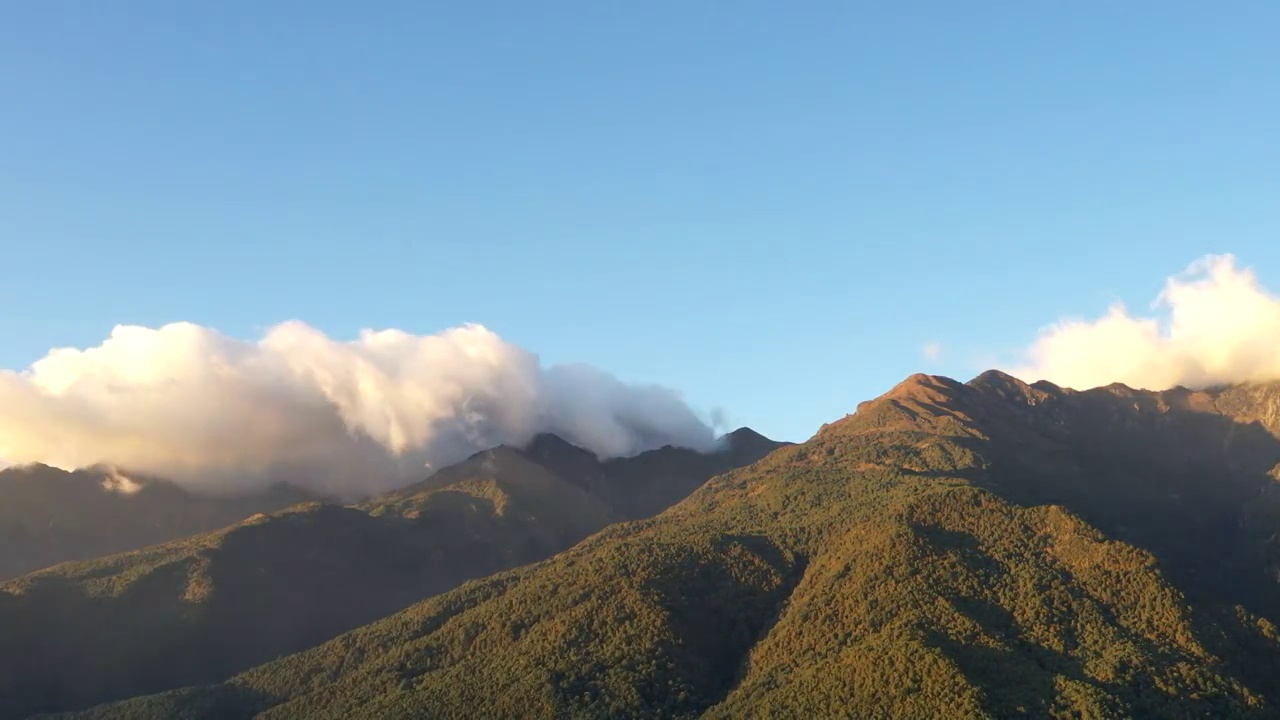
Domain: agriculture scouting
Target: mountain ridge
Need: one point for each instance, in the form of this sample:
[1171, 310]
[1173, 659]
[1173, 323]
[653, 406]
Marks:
[51, 515]
[201, 608]
[981, 549]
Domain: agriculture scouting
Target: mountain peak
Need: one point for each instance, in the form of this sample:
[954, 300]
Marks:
[1006, 387]
[744, 437]
[921, 388]
[30, 468]
[578, 466]
[549, 446]
[994, 377]
[919, 382]
[918, 396]
[1048, 387]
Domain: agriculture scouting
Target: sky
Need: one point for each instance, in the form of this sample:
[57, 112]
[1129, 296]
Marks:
[779, 209]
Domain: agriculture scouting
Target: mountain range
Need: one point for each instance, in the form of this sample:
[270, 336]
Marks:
[201, 608]
[50, 516]
[980, 549]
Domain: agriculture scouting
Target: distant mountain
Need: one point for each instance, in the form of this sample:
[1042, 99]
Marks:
[987, 549]
[200, 609]
[646, 484]
[48, 516]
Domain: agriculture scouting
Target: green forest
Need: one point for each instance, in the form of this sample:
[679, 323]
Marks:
[988, 549]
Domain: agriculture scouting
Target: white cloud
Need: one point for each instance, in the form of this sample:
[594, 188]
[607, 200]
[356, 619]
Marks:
[931, 350]
[1212, 324]
[116, 481]
[348, 417]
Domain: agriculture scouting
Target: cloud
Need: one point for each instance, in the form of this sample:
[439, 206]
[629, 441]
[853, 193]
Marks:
[218, 414]
[116, 481]
[1213, 324]
[931, 350]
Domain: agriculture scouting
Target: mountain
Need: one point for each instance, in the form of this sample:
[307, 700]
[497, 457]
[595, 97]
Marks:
[981, 549]
[50, 516]
[200, 609]
[646, 484]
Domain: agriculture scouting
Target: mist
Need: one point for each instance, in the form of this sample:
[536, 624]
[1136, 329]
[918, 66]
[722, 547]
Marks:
[221, 415]
[1213, 324]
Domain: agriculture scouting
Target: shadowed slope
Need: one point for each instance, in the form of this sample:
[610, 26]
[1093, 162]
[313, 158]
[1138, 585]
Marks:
[50, 516]
[647, 484]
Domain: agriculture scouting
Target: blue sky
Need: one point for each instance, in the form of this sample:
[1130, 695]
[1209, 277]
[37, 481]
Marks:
[772, 206]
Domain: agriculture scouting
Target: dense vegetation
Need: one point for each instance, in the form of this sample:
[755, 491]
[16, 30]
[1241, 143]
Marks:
[201, 609]
[980, 550]
[50, 516]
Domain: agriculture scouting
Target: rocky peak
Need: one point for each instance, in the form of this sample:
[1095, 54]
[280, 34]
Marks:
[578, 466]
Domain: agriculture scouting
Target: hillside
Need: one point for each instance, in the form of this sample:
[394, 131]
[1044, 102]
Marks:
[200, 609]
[988, 549]
[50, 516]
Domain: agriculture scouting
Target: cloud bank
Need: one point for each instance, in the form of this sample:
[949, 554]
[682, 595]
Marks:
[217, 414]
[1213, 324]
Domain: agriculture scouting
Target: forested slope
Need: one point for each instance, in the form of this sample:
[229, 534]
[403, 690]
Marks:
[988, 549]
[200, 609]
